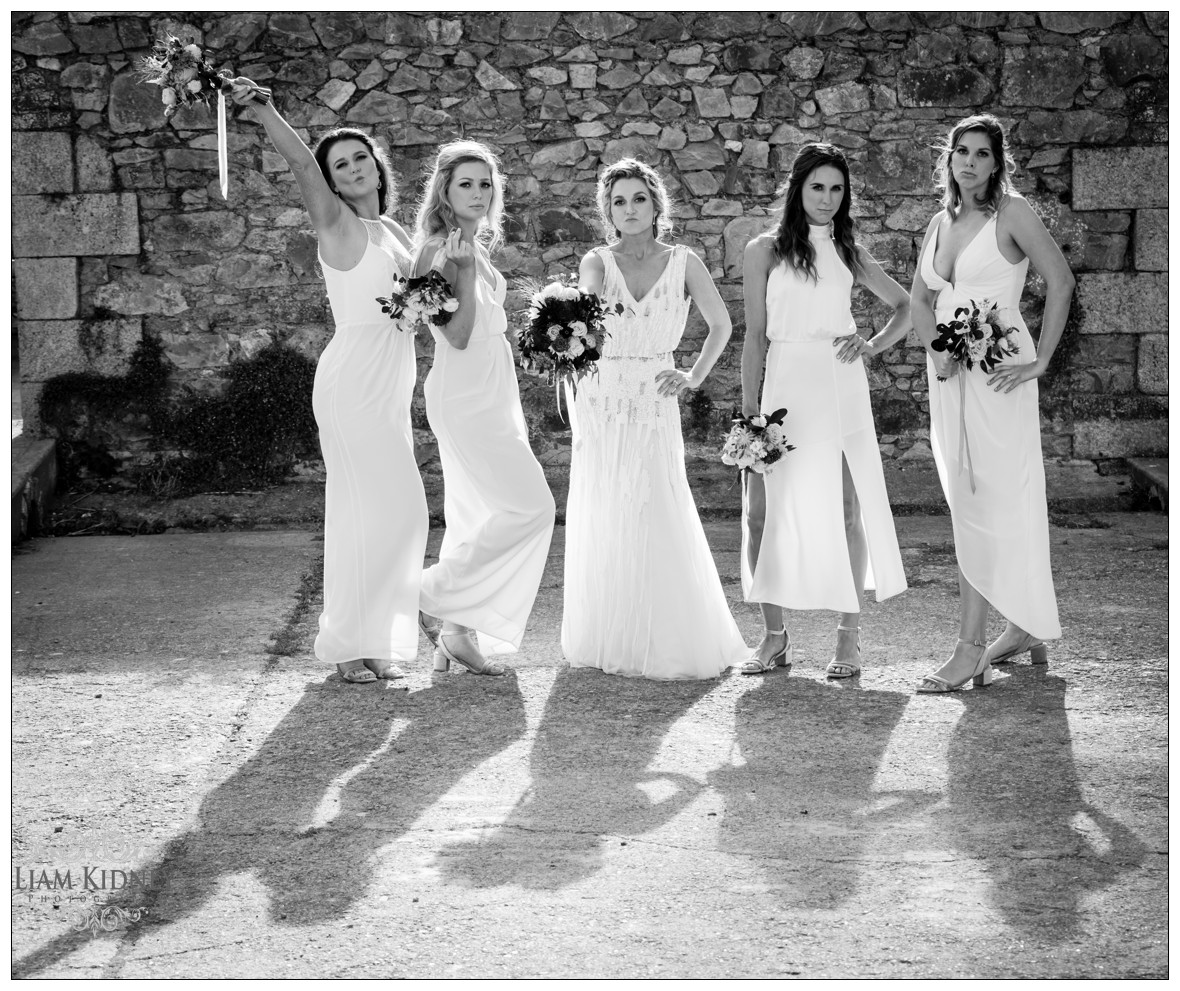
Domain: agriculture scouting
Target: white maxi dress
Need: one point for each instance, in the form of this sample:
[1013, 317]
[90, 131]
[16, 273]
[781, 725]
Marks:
[803, 557]
[642, 593]
[375, 517]
[1001, 528]
[498, 507]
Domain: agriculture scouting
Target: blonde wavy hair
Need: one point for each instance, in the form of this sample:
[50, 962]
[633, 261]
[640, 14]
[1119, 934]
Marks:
[434, 212]
[998, 185]
[632, 168]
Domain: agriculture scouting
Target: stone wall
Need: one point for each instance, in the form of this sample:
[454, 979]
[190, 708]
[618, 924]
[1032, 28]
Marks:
[119, 229]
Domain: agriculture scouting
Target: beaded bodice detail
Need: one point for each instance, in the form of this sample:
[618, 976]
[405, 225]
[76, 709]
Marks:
[642, 341]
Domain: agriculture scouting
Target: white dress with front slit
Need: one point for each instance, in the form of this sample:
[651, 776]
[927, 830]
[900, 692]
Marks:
[803, 557]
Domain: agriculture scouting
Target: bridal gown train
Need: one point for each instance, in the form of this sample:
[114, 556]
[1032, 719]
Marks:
[375, 518]
[642, 594]
[1002, 528]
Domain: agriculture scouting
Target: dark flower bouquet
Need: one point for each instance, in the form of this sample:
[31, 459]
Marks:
[756, 442]
[420, 299]
[565, 331]
[976, 334]
[185, 76]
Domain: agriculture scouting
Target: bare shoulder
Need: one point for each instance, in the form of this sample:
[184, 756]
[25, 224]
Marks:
[1015, 211]
[398, 232]
[592, 260]
[761, 245]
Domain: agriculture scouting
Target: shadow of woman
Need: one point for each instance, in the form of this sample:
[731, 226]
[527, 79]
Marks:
[1014, 803]
[343, 773]
[801, 803]
[591, 778]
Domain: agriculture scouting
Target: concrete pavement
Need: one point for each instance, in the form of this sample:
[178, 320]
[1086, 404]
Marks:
[267, 820]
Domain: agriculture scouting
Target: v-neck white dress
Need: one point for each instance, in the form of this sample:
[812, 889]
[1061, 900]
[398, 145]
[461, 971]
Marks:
[1002, 528]
[642, 594]
[498, 507]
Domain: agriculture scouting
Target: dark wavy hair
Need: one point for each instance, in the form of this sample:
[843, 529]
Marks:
[387, 191]
[998, 185]
[792, 240]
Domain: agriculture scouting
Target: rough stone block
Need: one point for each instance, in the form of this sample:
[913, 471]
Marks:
[42, 162]
[86, 224]
[46, 288]
[1120, 178]
[1120, 438]
[1151, 240]
[1042, 76]
[95, 173]
[1153, 364]
[737, 234]
[1102, 363]
[53, 347]
[135, 293]
[1122, 303]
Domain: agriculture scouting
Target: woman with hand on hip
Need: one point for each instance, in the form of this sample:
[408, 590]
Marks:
[499, 511]
[819, 529]
[375, 518]
[642, 594]
[976, 253]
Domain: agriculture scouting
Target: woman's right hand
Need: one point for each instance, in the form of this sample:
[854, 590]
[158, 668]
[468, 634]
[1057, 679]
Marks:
[459, 252]
[945, 367]
[245, 91]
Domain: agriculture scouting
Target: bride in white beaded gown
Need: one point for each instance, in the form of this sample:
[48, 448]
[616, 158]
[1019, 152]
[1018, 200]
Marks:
[642, 594]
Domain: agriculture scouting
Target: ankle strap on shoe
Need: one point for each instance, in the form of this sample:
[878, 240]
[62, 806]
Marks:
[974, 643]
[849, 629]
[776, 633]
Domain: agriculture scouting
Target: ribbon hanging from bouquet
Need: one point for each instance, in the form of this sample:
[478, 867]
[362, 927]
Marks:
[964, 441]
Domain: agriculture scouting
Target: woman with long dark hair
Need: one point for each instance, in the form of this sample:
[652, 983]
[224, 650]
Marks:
[818, 528]
[976, 253]
[375, 519]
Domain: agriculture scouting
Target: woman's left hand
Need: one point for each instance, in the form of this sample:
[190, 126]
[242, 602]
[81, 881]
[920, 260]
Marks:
[1005, 378]
[672, 382]
[852, 347]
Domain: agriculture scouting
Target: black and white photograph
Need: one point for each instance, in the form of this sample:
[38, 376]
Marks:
[502, 495]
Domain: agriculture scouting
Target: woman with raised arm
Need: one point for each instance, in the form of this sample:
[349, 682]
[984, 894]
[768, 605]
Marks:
[819, 530]
[499, 511]
[642, 594]
[375, 518]
[976, 253]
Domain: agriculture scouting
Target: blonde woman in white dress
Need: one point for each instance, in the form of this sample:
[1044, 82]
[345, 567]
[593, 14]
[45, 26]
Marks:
[642, 594]
[978, 249]
[375, 517]
[819, 530]
[499, 511]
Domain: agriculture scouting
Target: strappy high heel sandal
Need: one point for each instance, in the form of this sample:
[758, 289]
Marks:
[842, 669]
[983, 674]
[1038, 653]
[430, 627]
[785, 658]
[384, 670]
[355, 673]
[444, 657]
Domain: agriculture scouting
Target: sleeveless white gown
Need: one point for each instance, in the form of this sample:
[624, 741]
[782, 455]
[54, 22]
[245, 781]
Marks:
[803, 557]
[498, 507]
[1002, 528]
[642, 594]
[375, 517]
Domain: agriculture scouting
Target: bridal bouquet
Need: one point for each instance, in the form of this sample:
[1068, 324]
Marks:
[976, 334]
[565, 330]
[420, 299]
[756, 442]
[186, 78]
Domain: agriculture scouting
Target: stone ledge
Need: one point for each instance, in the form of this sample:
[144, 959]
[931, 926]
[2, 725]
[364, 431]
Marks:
[1149, 481]
[83, 224]
[34, 483]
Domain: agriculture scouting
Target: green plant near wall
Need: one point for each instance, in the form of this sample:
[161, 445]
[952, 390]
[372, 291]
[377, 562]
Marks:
[247, 436]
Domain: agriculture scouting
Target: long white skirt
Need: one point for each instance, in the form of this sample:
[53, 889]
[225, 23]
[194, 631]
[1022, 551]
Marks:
[1002, 528]
[803, 557]
[642, 594]
[375, 517]
[498, 507]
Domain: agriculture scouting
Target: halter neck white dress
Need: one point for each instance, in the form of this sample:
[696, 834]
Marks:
[642, 594]
[1002, 528]
[375, 518]
[498, 507]
[803, 557]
